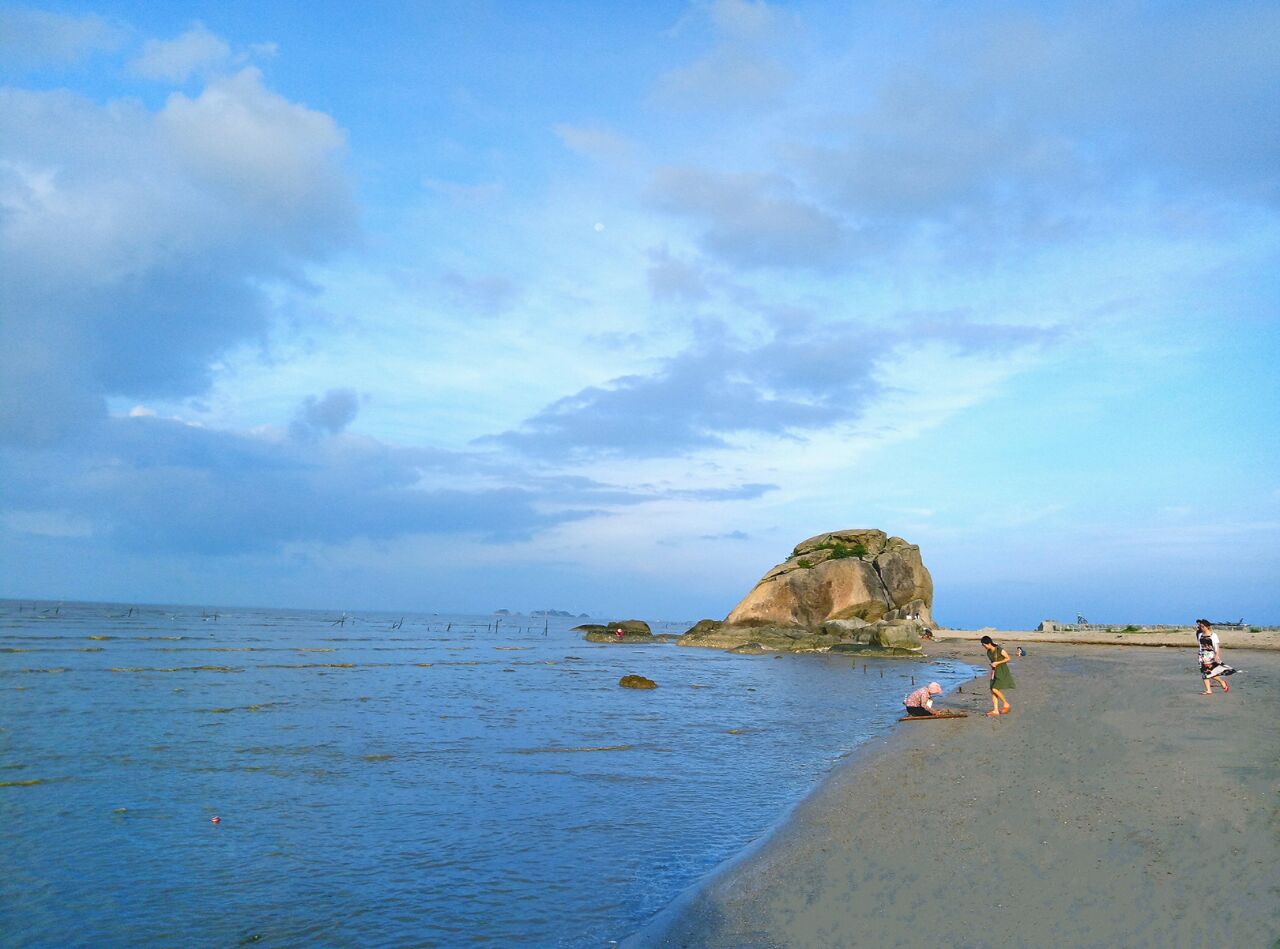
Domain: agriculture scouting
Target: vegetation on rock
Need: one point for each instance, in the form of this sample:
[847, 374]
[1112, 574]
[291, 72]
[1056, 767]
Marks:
[841, 551]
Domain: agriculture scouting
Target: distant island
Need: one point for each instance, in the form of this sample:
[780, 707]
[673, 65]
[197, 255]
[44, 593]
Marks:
[567, 613]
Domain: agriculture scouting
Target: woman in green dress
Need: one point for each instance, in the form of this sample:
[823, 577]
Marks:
[1001, 677]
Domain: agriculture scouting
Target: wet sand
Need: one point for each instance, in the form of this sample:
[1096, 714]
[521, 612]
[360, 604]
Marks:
[1114, 806]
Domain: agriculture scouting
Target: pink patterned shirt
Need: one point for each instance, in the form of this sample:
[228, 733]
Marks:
[920, 698]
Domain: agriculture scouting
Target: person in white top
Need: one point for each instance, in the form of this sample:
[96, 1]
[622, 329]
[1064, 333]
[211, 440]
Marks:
[1212, 668]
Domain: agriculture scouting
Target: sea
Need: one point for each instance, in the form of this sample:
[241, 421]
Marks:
[209, 776]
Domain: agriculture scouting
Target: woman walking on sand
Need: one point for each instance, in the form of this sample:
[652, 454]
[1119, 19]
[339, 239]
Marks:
[1001, 677]
[1212, 668]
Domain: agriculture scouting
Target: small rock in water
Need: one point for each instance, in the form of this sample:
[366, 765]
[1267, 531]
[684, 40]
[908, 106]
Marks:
[637, 682]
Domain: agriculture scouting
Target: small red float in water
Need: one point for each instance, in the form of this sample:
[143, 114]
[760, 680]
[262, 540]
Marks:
[215, 820]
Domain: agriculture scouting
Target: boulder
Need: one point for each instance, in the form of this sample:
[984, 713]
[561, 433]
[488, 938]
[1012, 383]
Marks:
[843, 590]
[637, 682]
[724, 636]
[898, 634]
[844, 627]
[818, 642]
[633, 631]
[630, 626]
[849, 574]
[704, 626]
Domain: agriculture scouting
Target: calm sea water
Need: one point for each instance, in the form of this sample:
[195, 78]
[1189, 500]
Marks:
[386, 781]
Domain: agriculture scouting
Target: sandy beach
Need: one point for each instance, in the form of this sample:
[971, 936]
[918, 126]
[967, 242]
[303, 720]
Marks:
[1114, 806]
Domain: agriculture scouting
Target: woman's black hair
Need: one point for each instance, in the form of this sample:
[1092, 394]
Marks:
[1203, 622]
[987, 641]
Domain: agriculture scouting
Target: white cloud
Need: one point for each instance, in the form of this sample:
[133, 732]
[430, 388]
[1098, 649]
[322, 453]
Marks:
[753, 220]
[276, 156]
[47, 523]
[744, 19]
[177, 60]
[744, 66]
[135, 246]
[724, 79]
[36, 37]
[595, 143]
[672, 278]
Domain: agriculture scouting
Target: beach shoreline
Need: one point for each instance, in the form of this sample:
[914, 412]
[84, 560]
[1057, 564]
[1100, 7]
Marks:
[1109, 808]
[1232, 638]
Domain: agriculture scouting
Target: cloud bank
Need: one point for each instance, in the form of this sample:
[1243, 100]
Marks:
[137, 246]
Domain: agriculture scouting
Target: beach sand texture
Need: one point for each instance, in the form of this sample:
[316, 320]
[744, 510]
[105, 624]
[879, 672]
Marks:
[1115, 806]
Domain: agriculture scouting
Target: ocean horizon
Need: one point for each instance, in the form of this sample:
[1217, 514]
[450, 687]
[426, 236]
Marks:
[391, 779]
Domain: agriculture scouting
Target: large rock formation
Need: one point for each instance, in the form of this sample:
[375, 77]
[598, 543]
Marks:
[847, 590]
[850, 574]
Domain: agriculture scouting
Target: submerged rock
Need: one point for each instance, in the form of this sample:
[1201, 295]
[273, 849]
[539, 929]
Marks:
[632, 631]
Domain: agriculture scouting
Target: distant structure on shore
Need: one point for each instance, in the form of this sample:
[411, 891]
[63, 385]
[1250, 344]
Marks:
[1081, 625]
[540, 613]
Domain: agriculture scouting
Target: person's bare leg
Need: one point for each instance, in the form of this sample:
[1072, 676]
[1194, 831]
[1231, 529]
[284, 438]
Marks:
[1004, 702]
[1222, 680]
[996, 699]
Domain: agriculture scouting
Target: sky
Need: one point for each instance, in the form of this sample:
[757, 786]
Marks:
[606, 306]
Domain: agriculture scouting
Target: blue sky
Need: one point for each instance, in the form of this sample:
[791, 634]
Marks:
[603, 307]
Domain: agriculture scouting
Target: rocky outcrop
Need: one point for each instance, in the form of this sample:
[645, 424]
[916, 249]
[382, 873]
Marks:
[884, 638]
[637, 682]
[893, 637]
[850, 591]
[633, 631]
[850, 574]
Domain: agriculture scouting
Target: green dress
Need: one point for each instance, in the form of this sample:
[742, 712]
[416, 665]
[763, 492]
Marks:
[1003, 679]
